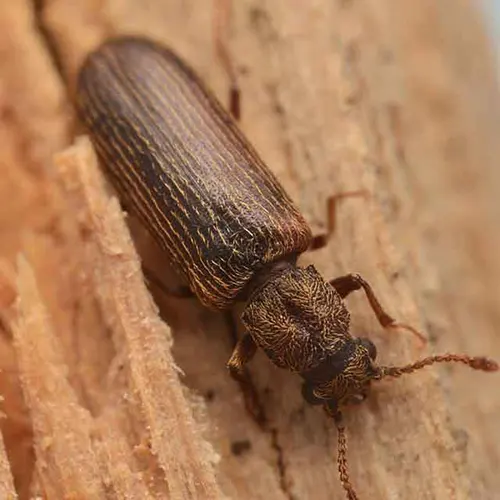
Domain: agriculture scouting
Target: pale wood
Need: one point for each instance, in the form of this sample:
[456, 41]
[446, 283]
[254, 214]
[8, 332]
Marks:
[65, 461]
[141, 337]
[7, 489]
[399, 98]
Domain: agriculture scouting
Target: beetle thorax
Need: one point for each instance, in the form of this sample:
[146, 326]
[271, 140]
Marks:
[297, 318]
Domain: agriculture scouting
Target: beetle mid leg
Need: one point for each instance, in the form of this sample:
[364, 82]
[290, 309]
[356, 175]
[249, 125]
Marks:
[320, 240]
[222, 17]
[151, 277]
[180, 292]
[344, 285]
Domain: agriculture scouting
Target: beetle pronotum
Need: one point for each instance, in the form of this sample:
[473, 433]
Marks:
[179, 161]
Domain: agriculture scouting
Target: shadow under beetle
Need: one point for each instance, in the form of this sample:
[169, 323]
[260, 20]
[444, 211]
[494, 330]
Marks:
[179, 161]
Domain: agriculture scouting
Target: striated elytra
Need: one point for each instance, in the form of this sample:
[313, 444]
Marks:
[180, 163]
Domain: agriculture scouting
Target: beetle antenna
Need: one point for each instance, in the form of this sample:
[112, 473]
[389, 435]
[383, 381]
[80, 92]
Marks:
[342, 457]
[476, 363]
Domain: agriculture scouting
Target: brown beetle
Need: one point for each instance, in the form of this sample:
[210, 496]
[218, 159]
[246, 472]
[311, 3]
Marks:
[181, 164]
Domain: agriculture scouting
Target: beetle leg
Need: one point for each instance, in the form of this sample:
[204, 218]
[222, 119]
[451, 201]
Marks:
[320, 240]
[344, 285]
[222, 17]
[243, 352]
[181, 292]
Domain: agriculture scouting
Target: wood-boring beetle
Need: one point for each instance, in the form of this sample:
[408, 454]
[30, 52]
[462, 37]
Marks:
[179, 161]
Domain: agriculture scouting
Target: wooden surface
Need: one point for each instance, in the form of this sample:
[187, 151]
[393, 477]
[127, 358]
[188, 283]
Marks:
[398, 98]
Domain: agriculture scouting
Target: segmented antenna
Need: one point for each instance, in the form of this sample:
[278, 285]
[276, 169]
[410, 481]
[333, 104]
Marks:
[342, 457]
[476, 363]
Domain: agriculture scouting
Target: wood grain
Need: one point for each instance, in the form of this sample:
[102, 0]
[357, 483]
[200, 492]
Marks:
[398, 98]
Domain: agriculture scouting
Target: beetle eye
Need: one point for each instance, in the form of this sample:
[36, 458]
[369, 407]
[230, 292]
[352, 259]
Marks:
[370, 347]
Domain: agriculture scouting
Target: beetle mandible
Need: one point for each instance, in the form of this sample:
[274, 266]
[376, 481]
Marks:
[179, 161]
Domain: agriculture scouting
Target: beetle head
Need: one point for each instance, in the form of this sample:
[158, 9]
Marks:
[343, 379]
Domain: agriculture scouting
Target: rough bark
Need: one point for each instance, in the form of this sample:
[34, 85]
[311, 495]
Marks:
[103, 400]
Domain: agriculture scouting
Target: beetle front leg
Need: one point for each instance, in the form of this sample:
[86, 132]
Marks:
[243, 352]
[344, 285]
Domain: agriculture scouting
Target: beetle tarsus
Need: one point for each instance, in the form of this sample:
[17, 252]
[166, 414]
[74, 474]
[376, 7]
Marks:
[320, 241]
[234, 102]
[222, 15]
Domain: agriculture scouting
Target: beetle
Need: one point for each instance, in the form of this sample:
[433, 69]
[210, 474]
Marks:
[180, 162]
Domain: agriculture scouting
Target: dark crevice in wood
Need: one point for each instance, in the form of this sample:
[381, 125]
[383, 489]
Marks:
[280, 462]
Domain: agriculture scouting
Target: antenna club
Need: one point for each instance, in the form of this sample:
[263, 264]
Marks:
[485, 364]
